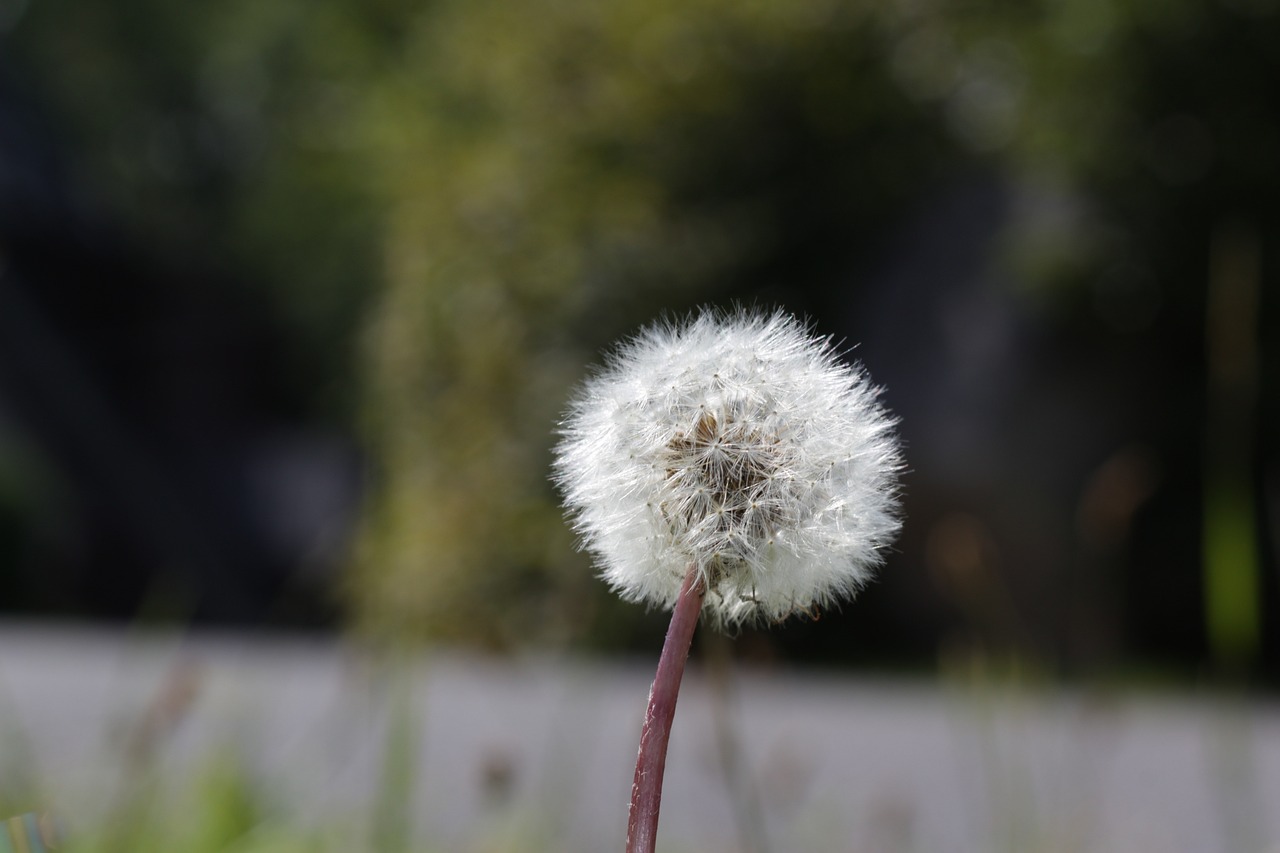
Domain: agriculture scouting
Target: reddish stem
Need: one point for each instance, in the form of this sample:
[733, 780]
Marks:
[646, 790]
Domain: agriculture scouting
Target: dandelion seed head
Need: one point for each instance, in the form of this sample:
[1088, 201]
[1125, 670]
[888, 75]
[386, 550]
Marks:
[738, 443]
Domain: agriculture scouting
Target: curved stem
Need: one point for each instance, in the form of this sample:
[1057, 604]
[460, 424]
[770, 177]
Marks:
[646, 790]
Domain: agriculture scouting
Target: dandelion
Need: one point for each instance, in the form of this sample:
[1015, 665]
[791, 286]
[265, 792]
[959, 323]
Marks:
[731, 466]
[739, 444]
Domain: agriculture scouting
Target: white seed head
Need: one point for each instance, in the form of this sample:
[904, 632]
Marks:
[738, 443]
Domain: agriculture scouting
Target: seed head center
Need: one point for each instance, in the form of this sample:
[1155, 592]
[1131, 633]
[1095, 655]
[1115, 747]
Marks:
[721, 472]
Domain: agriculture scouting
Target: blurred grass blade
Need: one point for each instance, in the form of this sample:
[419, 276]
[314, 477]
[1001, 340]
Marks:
[1231, 572]
[28, 833]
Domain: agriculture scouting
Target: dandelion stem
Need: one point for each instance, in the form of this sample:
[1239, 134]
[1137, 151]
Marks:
[646, 790]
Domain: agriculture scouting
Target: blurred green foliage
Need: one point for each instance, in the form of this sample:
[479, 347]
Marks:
[222, 807]
[465, 200]
[558, 171]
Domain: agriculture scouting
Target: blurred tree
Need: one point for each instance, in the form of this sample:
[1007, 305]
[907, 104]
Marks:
[555, 172]
[507, 187]
[222, 137]
[451, 207]
[1146, 134]
[165, 410]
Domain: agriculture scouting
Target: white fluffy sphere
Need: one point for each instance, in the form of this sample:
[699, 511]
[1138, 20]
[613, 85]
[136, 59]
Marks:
[738, 443]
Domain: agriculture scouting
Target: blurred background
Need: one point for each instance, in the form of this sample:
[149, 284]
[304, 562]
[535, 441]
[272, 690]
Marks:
[292, 295]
